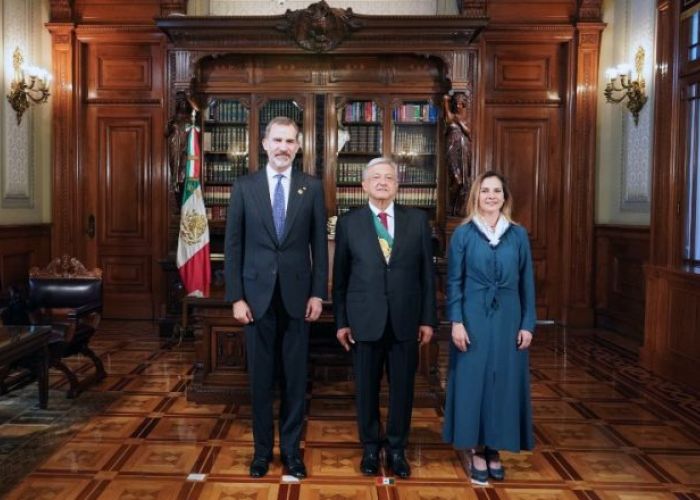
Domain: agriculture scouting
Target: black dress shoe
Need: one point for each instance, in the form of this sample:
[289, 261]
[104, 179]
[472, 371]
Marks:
[398, 463]
[295, 466]
[369, 465]
[259, 466]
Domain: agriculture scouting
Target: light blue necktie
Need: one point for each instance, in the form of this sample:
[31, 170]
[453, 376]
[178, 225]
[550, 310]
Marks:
[278, 208]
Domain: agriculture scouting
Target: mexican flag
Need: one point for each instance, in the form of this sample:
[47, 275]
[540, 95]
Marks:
[193, 241]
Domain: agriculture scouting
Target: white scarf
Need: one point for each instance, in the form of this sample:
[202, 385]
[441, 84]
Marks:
[493, 235]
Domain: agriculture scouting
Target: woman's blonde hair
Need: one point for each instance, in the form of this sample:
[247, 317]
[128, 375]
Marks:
[473, 200]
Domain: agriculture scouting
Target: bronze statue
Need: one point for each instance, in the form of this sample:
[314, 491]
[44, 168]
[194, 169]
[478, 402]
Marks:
[177, 140]
[459, 151]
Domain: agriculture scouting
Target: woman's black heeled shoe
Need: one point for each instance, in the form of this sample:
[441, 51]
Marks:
[479, 477]
[497, 473]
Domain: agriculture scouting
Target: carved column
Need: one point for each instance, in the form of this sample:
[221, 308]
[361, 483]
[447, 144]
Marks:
[579, 181]
[64, 161]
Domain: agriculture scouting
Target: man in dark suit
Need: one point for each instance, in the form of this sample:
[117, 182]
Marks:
[384, 302]
[276, 277]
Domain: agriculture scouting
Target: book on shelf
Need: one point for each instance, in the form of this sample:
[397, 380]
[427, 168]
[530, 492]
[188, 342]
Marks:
[415, 113]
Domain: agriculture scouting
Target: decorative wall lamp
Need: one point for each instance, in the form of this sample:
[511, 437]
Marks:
[632, 90]
[30, 85]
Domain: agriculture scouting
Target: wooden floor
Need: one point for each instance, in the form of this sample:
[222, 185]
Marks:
[605, 428]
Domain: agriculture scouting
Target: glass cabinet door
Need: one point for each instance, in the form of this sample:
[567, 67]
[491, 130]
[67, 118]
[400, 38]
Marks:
[414, 148]
[360, 138]
[225, 151]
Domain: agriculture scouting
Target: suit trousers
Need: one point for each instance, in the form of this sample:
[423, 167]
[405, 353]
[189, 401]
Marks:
[277, 349]
[370, 359]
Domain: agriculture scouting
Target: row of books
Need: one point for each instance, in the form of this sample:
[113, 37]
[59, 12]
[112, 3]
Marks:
[279, 108]
[415, 113]
[216, 195]
[227, 111]
[363, 139]
[412, 196]
[349, 170]
[420, 140]
[223, 139]
[362, 111]
[216, 213]
[416, 175]
[225, 171]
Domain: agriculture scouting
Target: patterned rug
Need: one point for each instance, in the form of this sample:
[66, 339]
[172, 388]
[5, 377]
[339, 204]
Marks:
[29, 435]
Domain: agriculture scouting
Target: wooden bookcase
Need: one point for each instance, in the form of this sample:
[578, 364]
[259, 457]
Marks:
[357, 93]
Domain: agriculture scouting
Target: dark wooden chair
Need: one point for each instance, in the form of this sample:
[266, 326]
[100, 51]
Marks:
[68, 297]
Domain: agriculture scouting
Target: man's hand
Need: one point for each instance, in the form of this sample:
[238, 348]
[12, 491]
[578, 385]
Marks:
[425, 333]
[460, 337]
[241, 312]
[314, 307]
[524, 339]
[344, 336]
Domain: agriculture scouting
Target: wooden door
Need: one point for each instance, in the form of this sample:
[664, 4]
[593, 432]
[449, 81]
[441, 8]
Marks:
[122, 179]
[527, 150]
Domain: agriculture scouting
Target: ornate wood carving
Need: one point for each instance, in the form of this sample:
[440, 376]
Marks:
[169, 7]
[589, 10]
[472, 8]
[61, 11]
[458, 113]
[413, 34]
[177, 139]
[319, 28]
[65, 267]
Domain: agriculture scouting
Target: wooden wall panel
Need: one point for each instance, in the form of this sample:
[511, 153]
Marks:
[672, 326]
[531, 11]
[521, 72]
[123, 176]
[621, 252]
[117, 11]
[119, 71]
[22, 247]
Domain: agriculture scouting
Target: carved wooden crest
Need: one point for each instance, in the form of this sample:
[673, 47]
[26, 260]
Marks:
[319, 28]
[65, 267]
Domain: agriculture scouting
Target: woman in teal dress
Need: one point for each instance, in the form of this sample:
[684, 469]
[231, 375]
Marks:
[491, 304]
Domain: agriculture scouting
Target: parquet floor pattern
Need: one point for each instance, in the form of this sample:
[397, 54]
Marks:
[605, 429]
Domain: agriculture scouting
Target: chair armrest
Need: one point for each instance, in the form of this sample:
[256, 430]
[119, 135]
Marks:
[81, 311]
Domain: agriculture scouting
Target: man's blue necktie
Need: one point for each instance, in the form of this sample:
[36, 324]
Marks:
[278, 208]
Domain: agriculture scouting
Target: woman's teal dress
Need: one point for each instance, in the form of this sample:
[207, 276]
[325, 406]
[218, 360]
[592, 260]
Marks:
[492, 291]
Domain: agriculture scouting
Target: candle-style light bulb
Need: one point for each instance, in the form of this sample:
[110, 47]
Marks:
[611, 73]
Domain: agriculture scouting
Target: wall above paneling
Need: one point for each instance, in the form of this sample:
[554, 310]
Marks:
[24, 147]
[624, 155]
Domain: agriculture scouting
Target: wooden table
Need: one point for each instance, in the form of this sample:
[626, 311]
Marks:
[28, 343]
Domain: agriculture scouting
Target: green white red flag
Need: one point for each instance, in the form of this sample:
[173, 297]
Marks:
[193, 242]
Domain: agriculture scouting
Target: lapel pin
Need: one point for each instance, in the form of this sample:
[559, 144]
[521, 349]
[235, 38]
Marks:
[301, 190]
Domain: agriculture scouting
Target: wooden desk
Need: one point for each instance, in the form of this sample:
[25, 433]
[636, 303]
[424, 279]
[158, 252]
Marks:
[30, 343]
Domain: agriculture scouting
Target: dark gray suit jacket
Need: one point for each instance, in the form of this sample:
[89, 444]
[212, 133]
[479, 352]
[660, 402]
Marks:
[255, 259]
[367, 290]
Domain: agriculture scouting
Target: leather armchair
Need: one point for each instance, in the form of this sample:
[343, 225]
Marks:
[68, 297]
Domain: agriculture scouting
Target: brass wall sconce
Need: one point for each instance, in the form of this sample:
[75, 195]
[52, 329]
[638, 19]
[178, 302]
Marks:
[30, 85]
[633, 90]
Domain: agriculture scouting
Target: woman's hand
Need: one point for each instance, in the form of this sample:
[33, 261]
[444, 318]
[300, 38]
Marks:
[460, 337]
[524, 339]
